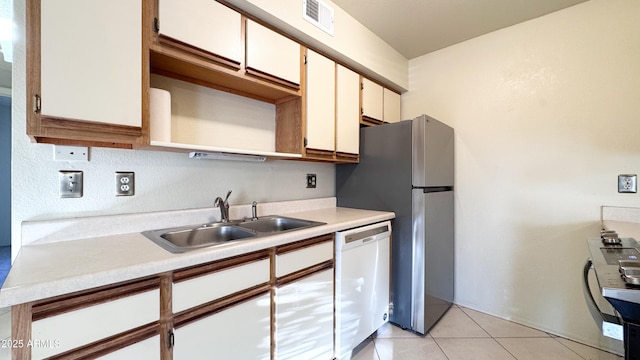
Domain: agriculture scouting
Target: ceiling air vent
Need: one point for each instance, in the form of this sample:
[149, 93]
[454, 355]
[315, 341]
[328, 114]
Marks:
[319, 14]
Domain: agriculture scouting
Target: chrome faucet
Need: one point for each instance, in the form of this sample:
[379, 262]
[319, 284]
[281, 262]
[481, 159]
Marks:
[254, 210]
[224, 207]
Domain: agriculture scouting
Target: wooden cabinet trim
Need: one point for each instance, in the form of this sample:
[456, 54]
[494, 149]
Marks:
[274, 79]
[347, 157]
[70, 302]
[194, 314]
[301, 274]
[87, 143]
[110, 344]
[21, 330]
[369, 121]
[298, 245]
[168, 41]
[216, 266]
[70, 125]
[183, 66]
[166, 316]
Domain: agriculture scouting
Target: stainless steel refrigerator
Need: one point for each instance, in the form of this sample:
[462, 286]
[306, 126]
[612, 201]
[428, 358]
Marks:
[408, 168]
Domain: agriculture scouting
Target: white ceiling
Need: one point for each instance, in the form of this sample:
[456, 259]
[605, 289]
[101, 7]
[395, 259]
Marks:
[417, 27]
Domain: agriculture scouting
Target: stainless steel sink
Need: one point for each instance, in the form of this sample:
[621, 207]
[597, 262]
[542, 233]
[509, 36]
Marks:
[273, 224]
[178, 240]
[188, 238]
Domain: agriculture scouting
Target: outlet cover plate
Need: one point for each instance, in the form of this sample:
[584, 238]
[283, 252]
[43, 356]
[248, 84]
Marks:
[125, 183]
[311, 181]
[627, 183]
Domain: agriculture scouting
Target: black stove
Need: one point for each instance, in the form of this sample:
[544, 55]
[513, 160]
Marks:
[616, 262]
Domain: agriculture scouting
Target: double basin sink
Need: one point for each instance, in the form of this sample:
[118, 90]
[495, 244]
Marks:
[178, 240]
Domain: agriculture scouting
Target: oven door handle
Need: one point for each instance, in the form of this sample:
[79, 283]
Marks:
[596, 313]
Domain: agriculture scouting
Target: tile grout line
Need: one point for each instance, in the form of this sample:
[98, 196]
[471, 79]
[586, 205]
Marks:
[555, 338]
[493, 338]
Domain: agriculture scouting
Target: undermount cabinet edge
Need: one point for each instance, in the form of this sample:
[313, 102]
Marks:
[171, 54]
[168, 313]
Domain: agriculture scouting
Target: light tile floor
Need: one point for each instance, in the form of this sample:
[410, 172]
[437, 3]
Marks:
[465, 334]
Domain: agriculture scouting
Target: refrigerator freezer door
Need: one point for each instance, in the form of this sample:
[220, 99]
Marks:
[433, 251]
[432, 159]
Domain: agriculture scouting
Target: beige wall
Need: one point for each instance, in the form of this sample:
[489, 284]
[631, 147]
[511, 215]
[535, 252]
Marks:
[547, 114]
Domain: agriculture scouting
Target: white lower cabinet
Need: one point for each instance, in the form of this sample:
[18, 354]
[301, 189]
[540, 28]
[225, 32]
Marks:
[242, 331]
[304, 318]
[303, 299]
[72, 330]
[146, 349]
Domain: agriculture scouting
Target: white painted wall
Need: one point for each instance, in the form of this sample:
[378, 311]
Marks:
[546, 116]
[164, 180]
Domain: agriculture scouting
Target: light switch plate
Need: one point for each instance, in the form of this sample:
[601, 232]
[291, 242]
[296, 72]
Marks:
[627, 183]
[70, 183]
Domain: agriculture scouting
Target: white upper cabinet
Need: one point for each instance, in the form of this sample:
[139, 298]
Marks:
[347, 110]
[372, 100]
[272, 54]
[204, 24]
[320, 99]
[391, 103]
[91, 60]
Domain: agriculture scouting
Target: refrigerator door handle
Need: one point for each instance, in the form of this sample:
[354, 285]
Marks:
[432, 189]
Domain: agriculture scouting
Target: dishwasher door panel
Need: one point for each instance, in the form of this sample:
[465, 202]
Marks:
[362, 293]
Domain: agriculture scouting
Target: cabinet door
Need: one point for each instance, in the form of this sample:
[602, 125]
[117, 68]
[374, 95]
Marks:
[91, 60]
[242, 331]
[372, 100]
[391, 106]
[272, 54]
[146, 349]
[347, 110]
[204, 24]
[202, 289]
[304, 318]
[94, 323]
[299, 259]
[320, 99]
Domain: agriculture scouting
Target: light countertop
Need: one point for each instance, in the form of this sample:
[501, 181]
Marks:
[624, 220]
[48, 269]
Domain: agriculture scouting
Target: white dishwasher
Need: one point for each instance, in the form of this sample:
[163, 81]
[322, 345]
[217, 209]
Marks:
[362, 284]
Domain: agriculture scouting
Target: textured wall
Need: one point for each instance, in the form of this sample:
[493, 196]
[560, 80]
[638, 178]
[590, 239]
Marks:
[546, 116]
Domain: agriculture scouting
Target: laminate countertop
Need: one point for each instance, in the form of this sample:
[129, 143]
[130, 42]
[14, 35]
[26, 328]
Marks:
[45, 269]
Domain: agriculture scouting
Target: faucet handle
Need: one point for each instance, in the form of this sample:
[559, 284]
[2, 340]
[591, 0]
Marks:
[254, 210]
[227, 197]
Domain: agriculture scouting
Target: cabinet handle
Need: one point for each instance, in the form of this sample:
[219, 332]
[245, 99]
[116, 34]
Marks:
[36, 103]
[156, 25]
[171, 340]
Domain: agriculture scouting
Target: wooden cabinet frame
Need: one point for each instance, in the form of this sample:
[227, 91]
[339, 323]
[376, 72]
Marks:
[23, 315]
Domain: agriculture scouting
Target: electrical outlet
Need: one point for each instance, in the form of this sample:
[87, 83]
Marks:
[70, 184]
[125, 184]
[627, 183]
[311, 181]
